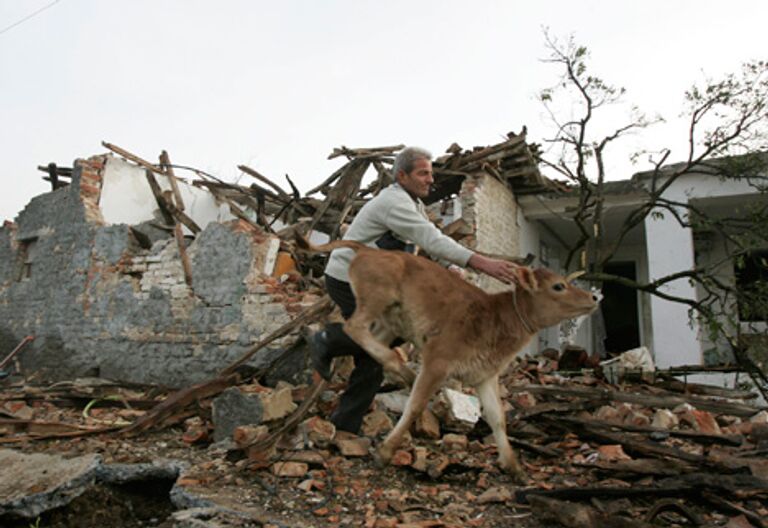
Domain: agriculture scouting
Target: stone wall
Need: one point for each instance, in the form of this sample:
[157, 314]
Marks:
[100, 304]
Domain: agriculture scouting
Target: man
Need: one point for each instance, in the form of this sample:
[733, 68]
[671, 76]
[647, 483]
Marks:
[395, 219]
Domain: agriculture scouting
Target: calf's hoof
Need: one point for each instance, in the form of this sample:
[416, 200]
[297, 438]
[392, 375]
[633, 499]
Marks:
[382, 456]
[516, 472]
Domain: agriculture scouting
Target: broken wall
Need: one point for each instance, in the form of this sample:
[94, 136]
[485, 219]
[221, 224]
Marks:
[100, 304]
[490, 208]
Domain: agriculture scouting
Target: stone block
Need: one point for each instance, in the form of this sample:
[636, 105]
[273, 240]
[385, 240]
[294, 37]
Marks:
[233, 408]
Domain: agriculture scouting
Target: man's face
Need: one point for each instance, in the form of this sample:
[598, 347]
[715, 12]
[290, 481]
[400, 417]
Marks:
[419, 181]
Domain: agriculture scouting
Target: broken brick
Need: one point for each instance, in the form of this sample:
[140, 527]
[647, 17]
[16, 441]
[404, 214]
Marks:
[376, 423]
[495, 494]
[353, 447]
[245, 435]
[289, 469]
[277, 404]
[319, 432]
[612, 452]
[455, 442]
[402, 458]
[427, 425]
[706, 423]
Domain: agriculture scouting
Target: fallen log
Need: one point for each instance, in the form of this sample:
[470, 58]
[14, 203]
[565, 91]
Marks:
[727, 505]
[648, 400]
[642, 466]
[575, 515]
[701, 438]
[693, 484]
[643, 448]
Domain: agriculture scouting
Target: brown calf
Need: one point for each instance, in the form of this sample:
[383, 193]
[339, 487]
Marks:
[460, 330]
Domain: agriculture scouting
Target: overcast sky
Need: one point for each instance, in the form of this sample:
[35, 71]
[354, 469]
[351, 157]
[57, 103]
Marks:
[277, 85]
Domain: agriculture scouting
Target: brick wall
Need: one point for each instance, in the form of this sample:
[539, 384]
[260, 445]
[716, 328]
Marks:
[489, 207]
[99, 304]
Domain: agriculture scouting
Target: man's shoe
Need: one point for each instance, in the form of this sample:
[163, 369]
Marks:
[321, 360]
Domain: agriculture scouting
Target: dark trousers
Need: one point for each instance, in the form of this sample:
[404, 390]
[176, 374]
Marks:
[367, 375]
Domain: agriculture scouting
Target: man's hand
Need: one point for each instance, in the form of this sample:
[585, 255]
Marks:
[503, 270]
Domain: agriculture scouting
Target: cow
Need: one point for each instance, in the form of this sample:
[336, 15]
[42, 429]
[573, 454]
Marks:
[460, 330]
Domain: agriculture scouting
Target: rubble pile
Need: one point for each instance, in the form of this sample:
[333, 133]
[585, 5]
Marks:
[597, 454]
[254, 447]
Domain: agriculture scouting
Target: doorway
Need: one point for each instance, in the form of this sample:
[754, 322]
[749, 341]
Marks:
[619, 307]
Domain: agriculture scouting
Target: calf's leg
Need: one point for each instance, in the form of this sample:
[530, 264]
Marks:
[488, 392]
[358, 328]
[427, 382]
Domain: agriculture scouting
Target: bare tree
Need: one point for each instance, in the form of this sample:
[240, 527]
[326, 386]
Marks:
[727, 139]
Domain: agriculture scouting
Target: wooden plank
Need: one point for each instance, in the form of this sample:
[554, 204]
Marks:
[165, 162]
[159, 198]
[251, 172]
[133, 157]
[182, 245]
[648, 400]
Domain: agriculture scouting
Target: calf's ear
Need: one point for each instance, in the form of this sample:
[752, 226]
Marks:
[526, 278]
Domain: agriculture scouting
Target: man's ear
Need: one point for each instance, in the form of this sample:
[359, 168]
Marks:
[526, 278]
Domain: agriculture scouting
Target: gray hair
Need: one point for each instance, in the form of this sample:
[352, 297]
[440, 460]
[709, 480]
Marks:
[406, 158]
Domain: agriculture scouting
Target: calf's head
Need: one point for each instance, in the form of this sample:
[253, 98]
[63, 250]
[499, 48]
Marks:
[554, 298]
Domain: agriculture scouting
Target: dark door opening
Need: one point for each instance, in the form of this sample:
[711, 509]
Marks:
[619, 307]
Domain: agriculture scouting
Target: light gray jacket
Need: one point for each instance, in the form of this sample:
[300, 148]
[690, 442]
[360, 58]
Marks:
[395, 211]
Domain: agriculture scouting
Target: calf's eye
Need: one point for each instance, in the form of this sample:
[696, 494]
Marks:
[558, 286]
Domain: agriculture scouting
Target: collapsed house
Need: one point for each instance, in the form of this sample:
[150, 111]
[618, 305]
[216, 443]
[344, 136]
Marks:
[131, 273]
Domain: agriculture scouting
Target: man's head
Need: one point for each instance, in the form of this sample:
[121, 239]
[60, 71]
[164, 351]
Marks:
[413, 171]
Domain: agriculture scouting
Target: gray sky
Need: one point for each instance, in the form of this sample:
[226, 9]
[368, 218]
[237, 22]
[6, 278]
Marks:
[276, 85]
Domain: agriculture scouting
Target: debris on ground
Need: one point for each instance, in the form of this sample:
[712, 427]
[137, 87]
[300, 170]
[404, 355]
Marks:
[601, 447]
[597, 454]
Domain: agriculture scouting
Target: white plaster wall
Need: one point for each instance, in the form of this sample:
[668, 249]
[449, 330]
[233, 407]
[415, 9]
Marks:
[703, 186]
[126, 197]
[670, 250]
[677, 340]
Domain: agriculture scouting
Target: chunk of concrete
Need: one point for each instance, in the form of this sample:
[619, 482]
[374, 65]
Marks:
[233, 408]
[31, 484]
[457, 411]
[393, 402]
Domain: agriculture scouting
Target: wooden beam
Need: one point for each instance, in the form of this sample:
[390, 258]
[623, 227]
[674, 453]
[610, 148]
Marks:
[165, 162]
[251, 172]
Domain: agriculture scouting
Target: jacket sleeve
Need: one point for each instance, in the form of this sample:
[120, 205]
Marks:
[409, 224]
